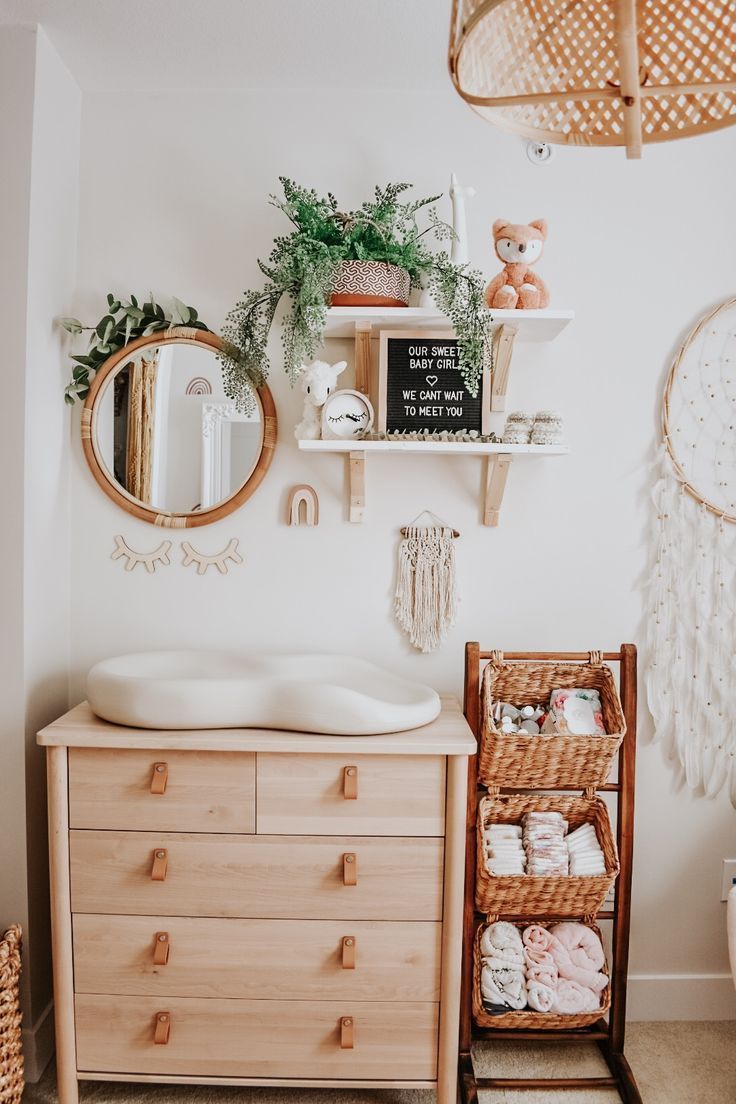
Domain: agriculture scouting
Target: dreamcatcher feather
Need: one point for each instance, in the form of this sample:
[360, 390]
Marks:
[691, 617]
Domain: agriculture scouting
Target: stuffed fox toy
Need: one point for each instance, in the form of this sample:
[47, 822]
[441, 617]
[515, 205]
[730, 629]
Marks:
[518, 246]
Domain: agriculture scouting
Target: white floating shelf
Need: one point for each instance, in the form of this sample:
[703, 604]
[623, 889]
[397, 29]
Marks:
[498, 460]
[480, 448]
[530, 325]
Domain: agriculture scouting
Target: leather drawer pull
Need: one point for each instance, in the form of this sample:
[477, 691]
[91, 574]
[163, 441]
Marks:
[350, 783]
[347, 1033]
[160, 863]
[159, 778]
[161, 949]
[162, 1029]
[348, 952]
[350, 869]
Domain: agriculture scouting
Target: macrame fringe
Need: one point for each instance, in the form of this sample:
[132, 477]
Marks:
[690, 672]
[425, 589]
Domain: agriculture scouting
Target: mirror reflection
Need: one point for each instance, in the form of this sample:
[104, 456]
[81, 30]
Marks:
[166, 433]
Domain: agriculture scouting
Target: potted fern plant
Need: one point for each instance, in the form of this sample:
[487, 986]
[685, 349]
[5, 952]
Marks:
[375, 255]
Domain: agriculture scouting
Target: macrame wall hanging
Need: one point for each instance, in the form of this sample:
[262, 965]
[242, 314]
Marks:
[691, 612]
[425, 588]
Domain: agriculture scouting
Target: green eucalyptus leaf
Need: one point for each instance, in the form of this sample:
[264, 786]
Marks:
[102, 325]
[113, 333]
[180, 313]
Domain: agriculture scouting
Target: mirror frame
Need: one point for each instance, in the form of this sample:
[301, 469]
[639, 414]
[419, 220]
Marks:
[183, 335]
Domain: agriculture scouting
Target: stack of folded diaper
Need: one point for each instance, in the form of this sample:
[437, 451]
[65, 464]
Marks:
[502, 978]
[561, 968]
[586, 856]
[544, 843]
[542, 847]
[503, 848]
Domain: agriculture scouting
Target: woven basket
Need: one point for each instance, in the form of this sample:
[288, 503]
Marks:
[530, 895]
[552, 71]
[544, 762]
[529, 1019]
[11, 1055]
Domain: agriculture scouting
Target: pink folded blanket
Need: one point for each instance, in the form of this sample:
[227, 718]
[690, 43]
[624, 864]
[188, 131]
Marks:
[539, 996]
[582, 943]
[540, 967]
[569, 998]
[537, 938]
[577, 940]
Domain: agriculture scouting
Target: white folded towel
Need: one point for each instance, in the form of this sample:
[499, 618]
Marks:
[503, 987]
[502, 940]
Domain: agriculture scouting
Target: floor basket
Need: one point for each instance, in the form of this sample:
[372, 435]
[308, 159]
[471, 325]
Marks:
[528, 1018]
[11, 1054]
[544, 762]
[530, 895]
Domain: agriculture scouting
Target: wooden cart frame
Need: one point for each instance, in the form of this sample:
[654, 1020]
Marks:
[607, 1033]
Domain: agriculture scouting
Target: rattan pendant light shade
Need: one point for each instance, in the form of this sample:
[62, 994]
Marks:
[597, 72]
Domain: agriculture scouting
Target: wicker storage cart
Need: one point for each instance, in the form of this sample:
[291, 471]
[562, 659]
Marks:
[528, 1018]
[526, 894]
[544, 762]
[11, 1055]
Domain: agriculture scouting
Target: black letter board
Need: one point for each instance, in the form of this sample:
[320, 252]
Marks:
[420, 386]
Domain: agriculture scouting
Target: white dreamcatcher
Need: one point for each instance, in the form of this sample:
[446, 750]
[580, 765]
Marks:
[691, 612]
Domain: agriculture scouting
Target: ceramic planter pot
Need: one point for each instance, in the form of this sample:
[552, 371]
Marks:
[371, 284]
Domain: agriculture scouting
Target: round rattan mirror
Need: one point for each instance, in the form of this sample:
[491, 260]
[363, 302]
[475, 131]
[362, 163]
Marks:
[162, 439]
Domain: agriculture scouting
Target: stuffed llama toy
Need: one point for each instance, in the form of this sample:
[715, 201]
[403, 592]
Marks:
[518, 246]
[317, 380]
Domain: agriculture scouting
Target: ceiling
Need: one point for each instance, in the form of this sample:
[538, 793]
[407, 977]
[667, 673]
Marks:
[170, 44]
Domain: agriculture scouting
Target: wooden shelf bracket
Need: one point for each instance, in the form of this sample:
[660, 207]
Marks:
[356, 475]
[502, 350]
[497, 472]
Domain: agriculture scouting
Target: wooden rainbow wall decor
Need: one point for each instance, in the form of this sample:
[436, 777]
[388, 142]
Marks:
[303, 493]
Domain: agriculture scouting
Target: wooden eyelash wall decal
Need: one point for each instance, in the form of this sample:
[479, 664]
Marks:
[306, 494]
[148, 559]
[219, 561]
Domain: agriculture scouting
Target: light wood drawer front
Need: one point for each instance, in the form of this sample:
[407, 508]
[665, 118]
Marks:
[293, 877]
[205, 791]
[243, 1038]
[395, 795]
[267, 959]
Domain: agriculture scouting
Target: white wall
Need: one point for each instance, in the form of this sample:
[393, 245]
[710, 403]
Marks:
[39, 124]
[17, 50]
[639, 250]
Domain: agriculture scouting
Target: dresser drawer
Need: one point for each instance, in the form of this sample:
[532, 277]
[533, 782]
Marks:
[382, 795]
[261, 1038]
[203, 791]
[269, 959]
[290, 877]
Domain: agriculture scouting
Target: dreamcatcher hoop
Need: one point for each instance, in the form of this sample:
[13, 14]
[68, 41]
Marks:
[690, 670]
[666, 431]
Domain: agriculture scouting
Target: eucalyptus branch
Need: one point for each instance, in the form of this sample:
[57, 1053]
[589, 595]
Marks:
[123, 323]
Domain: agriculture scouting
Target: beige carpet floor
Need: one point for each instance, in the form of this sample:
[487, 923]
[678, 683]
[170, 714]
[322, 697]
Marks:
[675, 1063]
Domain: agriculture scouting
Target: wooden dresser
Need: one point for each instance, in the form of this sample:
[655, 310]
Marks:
[254, 907]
